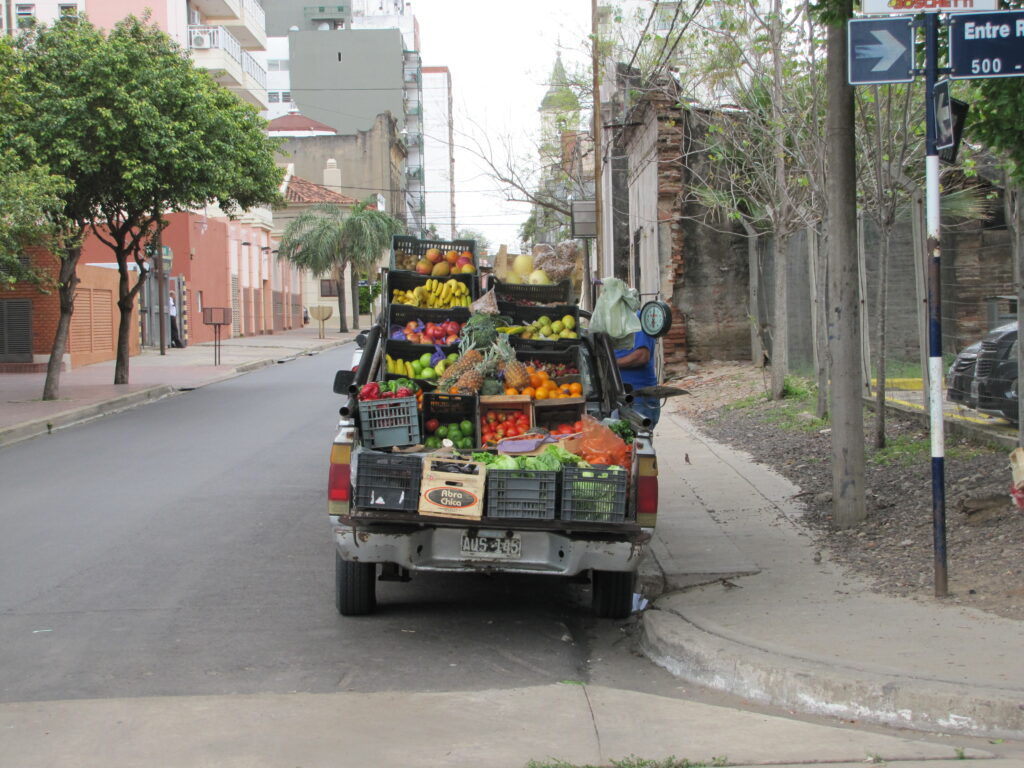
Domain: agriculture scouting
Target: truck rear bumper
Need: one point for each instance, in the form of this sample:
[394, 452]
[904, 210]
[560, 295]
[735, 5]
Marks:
[441, 549]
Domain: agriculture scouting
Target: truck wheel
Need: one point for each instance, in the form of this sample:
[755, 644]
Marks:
[613, 594]
[355, 586]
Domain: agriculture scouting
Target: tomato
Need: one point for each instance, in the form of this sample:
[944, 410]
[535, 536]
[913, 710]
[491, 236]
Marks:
[578, 426]
[513, 431]
[502, 417]
[432, 425]
[491, 417]
[499, 433]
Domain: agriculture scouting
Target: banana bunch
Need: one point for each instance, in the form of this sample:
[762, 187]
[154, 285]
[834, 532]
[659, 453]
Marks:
[511, 330]
[435, 293]
[401, 367]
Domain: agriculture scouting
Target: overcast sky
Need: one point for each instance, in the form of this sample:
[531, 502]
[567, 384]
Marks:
[500, 55]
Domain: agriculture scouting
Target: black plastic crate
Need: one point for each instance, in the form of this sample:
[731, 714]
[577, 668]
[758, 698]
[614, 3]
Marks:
[525, 315]
[410, 280]
[406, 350]
[593, 495]
[555, 293]
[528, 351]
[550, 413]
[404, 247]
[522, 493]
[400, 314]
[388, 481]
[451, 409]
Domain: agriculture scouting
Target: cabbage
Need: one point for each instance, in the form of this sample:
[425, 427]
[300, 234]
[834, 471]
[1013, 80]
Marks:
[504, 461]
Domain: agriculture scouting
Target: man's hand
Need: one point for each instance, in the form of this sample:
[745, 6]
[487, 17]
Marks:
[635, 359]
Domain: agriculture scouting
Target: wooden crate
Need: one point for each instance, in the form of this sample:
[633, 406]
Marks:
[452, 494]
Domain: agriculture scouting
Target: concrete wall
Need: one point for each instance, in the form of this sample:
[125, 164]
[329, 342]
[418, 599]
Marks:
[345, 78]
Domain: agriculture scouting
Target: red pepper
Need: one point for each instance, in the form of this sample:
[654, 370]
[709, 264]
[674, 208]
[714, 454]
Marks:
[370, 391]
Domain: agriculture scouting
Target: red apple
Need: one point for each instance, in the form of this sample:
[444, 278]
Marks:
[433, 255]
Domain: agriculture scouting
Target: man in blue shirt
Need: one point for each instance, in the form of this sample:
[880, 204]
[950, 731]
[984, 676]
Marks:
[636, 367]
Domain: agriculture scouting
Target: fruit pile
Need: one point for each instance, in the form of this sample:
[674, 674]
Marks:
[419, 332]
[544, 328]
[434, 293]
[460, 433]
[428, 366]
[439, 264]
[543, 387]
[495, 425]
[523, 272]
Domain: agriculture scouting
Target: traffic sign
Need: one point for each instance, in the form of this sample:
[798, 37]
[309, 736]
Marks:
[881, 50]
[927, 6]
[986, 45]
[943, 115]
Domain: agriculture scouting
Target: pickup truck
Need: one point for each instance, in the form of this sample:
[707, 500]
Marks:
[374, 544]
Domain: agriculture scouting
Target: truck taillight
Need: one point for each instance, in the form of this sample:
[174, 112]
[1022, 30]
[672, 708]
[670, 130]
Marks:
[647, 491]
[339, 484]
[339, 479]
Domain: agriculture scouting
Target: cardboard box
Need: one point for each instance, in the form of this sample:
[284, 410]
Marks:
[457, 494]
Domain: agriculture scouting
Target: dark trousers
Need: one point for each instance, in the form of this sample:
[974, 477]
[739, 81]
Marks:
[175, 338]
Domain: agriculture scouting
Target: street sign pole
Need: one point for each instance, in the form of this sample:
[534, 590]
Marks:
[933, 222]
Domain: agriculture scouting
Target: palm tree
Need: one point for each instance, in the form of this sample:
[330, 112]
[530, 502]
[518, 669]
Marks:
[313, 240]
[367, 233]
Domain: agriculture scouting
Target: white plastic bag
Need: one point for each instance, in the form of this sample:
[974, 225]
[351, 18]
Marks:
[615, 312]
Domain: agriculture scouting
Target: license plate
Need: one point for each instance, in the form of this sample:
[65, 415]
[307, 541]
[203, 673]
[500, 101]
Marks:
[498, 547]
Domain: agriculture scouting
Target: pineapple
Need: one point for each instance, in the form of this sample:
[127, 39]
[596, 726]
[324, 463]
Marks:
[515, 372]
[466, 362]
[471, 380]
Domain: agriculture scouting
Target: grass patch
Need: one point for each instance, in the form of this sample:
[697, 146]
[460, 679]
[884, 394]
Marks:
[904, 450]
[745, 403]
[637, 762]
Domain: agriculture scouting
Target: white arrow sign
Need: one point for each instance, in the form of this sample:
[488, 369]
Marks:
[888, 50]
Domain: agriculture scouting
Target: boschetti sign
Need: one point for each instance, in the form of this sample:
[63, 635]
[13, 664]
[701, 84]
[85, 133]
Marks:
[928, 6]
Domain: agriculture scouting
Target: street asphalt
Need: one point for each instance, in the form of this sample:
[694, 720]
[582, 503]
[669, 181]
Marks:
[740, 601]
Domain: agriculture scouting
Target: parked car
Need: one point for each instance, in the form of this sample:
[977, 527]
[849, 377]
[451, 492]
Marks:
[961, 375]
[995, 373]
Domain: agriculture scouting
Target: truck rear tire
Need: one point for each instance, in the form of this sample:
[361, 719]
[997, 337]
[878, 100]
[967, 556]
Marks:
[355, 587]
[612, 594]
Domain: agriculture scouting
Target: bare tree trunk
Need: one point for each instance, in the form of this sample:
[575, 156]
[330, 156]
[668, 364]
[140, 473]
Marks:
[818, 299]
[780, 315]
[848, 506]
[880, 308]
[355, 296]
[1014, 207]
[66, 292]
[339, 284]
[754, 297]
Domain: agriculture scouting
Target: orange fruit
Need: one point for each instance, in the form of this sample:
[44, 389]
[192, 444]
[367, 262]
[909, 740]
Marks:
[529, 391]
[535, 380]
[511, 391]
[576, 388]
[542, 394]
[543, 375]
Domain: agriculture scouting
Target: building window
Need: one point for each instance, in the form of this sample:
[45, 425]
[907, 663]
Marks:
[199, 302]
[665, 16]
[286, 96]
[26, 14]
[67, 9]
[277, 65]
[274, 97]
[328, 288]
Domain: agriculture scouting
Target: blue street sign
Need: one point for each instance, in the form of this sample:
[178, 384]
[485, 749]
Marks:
[986, 45]
[881, 50]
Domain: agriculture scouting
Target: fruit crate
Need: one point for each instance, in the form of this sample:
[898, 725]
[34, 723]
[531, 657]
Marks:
[452, 409]
[593, 495]
[555, 293]
[507, 404]
[406, 250]
[529, 351]
[400, 314]
[550, 413]
[389, 423]
[389, 481]
[526, 315]
[407, 281]
[522, 493]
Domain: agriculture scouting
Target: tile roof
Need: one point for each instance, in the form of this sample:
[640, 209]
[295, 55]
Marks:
[296, 122]
[299, 190]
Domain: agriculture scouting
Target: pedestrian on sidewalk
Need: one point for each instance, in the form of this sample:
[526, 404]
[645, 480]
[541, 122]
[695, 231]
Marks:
[172, 312]
[636, 367]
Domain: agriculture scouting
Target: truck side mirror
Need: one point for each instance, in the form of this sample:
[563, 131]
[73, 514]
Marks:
[343, 381]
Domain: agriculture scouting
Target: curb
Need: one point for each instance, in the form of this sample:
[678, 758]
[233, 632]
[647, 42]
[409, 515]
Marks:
[699, 656]
[48, 424]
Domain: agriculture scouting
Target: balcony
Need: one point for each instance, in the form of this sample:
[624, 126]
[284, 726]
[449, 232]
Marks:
[218, 52]
[245, 20]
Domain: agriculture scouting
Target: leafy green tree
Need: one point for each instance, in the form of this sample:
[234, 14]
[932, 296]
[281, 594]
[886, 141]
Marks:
[29, 202]
[325, 239]
[482, 242]
[139, 132]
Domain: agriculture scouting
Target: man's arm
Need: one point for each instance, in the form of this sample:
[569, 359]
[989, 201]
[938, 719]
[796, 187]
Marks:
[638, 357]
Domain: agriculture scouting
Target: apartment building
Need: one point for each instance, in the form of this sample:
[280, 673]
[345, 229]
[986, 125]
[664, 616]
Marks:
[439, 150]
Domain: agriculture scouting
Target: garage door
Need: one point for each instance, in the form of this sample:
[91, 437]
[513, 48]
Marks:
[15, 330]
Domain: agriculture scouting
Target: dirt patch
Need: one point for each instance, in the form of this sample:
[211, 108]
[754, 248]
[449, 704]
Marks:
[893, 548]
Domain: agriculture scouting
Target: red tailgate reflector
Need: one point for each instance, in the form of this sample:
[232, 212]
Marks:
[339, 483]
[647, 495]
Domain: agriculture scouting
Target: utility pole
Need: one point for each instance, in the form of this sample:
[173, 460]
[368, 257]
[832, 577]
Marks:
[596, 53]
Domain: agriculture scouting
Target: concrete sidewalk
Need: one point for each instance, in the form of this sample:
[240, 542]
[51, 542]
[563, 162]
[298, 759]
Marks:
[89, 391]
[776, 622]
